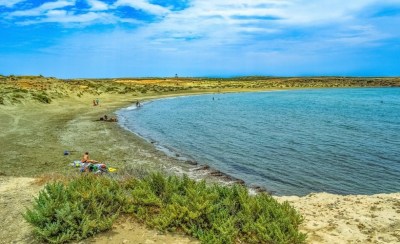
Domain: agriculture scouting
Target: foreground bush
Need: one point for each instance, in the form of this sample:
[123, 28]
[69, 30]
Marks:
[85, 206]
[213, 214]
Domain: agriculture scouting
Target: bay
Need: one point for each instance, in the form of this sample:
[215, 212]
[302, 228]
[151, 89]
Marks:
[343, 141]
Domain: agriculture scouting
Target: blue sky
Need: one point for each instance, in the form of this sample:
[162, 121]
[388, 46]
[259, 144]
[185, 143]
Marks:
[141, 38]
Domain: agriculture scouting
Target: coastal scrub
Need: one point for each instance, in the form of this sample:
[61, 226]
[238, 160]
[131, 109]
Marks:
[88, 204]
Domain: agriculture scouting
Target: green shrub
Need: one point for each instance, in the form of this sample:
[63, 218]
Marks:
[83, 207]
[41, 97]
[214, 214]
[211, 213]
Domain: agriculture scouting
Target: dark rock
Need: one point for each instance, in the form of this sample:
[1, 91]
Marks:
[191, 162]
[239, 181]
[217, 173]
[204, 167]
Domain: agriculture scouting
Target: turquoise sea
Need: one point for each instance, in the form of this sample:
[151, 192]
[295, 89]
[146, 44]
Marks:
[344, 141]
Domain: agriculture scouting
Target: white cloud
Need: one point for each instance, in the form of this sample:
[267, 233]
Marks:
[216, 23]
[43, 8]
[97, 5]
[54, 12]
[231, 36]
[10, 3]
[66, 17]
[240, 25]
[244, 23]
[57, 12]
[143, 5]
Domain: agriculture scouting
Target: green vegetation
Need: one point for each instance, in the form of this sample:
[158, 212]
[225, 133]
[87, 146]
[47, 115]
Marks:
[214, 214]
[58, 88]
[42, 97]
[75, 211]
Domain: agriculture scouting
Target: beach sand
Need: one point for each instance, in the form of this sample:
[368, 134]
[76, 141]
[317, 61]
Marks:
[34, 137]
[333, 218]
[17, 193]
[33, 140]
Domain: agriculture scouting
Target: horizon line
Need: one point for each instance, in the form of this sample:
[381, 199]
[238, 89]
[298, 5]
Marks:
[201, 77]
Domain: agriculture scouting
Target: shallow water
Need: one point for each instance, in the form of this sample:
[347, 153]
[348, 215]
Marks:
[342, 141]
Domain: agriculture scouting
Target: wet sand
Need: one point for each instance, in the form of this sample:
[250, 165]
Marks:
[34, 137]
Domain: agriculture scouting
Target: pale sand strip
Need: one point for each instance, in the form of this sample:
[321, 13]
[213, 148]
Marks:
[333, 218]
[16, 193]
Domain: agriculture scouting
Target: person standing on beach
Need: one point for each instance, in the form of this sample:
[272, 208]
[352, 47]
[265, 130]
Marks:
[97, 101]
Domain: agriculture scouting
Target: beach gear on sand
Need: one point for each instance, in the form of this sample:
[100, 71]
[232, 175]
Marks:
[68, 152]
[98, 168]
[77, 163]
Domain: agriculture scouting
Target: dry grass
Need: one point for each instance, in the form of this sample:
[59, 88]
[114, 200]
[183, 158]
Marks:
[51, 177]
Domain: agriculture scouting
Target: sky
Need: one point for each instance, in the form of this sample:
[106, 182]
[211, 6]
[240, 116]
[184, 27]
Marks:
[218, 38]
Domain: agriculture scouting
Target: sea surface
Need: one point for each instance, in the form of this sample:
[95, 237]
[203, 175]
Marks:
[343, 141]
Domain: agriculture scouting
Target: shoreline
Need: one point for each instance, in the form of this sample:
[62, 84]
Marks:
[199, 170]
[329, 218]
[194, 169]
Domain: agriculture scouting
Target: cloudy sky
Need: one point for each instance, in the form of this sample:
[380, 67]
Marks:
[141, 38]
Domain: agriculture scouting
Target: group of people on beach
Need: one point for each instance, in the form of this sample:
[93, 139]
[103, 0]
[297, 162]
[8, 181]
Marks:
[105, 118]
[96, 102]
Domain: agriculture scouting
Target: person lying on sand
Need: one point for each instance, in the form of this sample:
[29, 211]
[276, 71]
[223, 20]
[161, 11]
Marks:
[105, 118]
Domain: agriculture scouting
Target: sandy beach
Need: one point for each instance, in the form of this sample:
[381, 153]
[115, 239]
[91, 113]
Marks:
[333, 218]
[329, 218]
[34, 137]
[33, 142]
